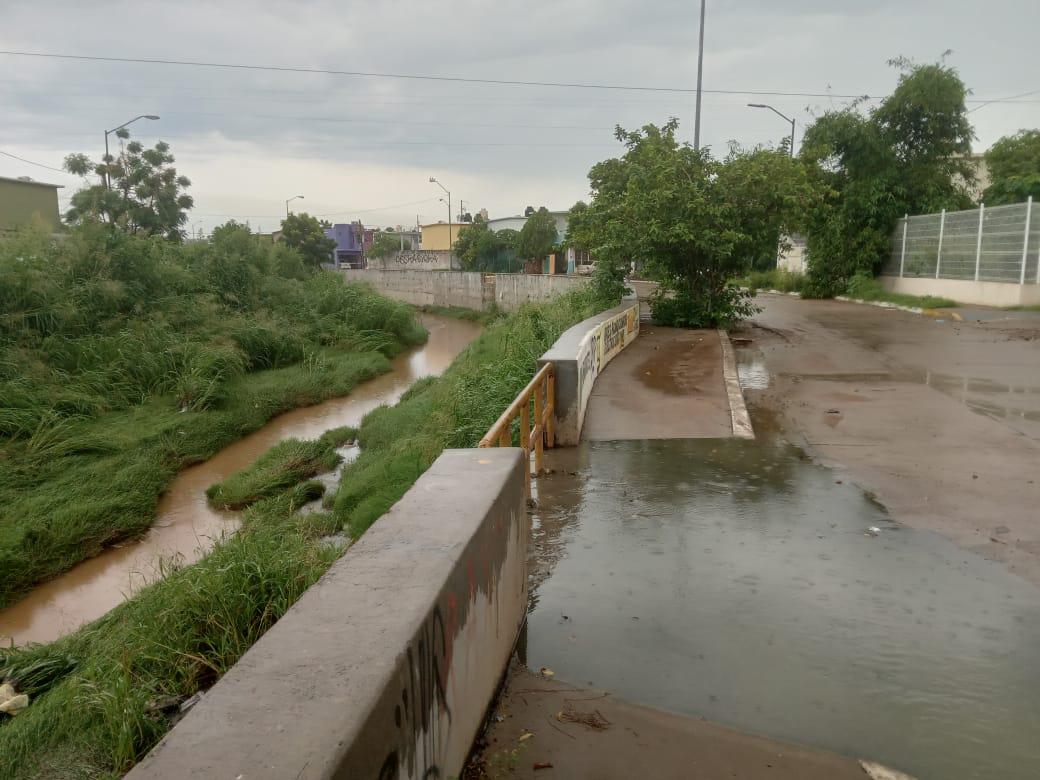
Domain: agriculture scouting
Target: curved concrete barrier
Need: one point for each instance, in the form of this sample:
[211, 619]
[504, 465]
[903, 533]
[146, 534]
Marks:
[579, 355]
[385, 668]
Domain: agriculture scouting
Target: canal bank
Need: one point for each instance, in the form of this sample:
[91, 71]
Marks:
[186, 526]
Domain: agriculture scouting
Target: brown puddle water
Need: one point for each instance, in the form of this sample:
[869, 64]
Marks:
[186, 527]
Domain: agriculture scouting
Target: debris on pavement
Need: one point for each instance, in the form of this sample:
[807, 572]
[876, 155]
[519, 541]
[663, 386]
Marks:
[546, 672]
[593, 720]
[543, 765]
[873, 531]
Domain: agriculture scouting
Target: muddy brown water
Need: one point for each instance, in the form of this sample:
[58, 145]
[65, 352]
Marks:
[740, 582]
[186, 526]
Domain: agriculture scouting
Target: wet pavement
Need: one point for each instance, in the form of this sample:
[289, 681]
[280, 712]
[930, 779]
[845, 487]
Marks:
[186, 526]
[668, 384]
[741, 582]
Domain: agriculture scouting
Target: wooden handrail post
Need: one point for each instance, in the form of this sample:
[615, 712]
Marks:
[541, 420]
[525, 441]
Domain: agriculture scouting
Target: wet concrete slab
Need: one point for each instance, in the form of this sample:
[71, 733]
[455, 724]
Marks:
[741, 582]
[667, 385]
[587, 733]
[940, 420]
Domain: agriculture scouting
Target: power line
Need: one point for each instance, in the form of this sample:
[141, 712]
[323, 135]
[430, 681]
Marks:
[413, 76]
[325, 214]
[1005, 100]
[30, 162]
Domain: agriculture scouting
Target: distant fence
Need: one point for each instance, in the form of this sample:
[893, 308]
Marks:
[987, 244]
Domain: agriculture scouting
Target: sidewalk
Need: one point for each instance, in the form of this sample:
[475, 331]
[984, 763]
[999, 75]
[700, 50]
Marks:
[589, 734]
[667, 385]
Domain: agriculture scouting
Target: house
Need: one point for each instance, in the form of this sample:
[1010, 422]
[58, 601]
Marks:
[564, 262]
[23, 199]
[350, 244]
[435, 235]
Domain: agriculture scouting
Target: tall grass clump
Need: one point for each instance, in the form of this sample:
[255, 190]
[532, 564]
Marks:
[399, 443]
[124, 359]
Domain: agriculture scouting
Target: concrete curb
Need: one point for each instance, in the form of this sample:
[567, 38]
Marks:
[937, 313]
[738, 411]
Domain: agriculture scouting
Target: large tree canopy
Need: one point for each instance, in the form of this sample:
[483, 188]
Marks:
[478, 246]
[910, 154]
[691, 221]
[139, 191]
[1014, 169]
[304, 233]
[537, 236]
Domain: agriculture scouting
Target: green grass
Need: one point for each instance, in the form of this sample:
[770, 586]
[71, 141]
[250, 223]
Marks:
[462, 313]
[286, 464]
[775, 279]
[123, 360]
[94, 710]
[867, 288]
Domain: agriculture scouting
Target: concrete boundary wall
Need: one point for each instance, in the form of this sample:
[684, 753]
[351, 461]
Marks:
[469, 289]
[579, 355]
[966, 291]
[385, 668]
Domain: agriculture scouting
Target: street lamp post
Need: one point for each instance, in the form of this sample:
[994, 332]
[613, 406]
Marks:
[108, 179]
[700, 67]
[290, 200]
[786, 118]
[433, 180]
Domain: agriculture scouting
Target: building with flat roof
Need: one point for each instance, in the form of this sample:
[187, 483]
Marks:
[22, 200]
[435, 235]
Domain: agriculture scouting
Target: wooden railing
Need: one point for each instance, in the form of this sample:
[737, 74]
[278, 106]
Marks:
[542, 391]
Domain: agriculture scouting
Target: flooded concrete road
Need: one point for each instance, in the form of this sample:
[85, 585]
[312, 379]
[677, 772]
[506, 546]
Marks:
[740, 582]
[941, 420]
[186, 526]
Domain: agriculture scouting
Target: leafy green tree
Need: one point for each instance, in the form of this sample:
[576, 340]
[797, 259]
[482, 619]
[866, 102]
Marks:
[139, 192]
[1014, 169]
[908, 155]
[385, 244]
[538, 235]
[303, 233]
[692, 221]
[478, 245]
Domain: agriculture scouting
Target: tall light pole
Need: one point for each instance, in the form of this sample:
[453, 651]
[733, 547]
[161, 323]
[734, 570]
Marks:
[290, 200]
[700, 68]
[108, 179]
[433, 180]
[786, 118]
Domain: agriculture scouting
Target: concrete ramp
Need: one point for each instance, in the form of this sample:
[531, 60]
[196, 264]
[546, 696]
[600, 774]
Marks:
[669, 384]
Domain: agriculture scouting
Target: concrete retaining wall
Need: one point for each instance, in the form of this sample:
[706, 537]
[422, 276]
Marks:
[385, 668]
[465, 288]
[966, 291]
[579, 355]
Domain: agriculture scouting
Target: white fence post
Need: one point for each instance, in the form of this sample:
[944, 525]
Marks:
[1025, 240]
[902, 253]
[978, 241]
[938, 254]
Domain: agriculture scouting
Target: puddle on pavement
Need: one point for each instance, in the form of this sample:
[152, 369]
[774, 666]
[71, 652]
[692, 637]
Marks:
[186, 526]
[738, 581]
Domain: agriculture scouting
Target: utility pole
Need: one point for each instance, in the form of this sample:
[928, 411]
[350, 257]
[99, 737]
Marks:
[782, 116]
[700, 68]
[108, 180]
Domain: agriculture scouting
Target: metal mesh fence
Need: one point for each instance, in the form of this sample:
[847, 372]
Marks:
[995, 244]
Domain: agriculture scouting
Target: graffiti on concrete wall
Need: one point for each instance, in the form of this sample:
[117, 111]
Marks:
[600, 346]
[418, 260]
[422, 703]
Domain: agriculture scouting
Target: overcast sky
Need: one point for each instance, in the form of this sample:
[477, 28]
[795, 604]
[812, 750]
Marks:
[364, 148]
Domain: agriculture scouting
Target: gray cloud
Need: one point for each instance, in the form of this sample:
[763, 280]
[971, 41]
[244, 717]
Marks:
[247, 138]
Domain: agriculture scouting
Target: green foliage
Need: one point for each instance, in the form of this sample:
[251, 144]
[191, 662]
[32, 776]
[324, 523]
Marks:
[478, 246]
[384, 245]
[864, 287]
[286, 464]
[908, 155]
[538, 236]
[124, 358]
[454, 410]
[143, 194]
[1014, 169]
[778, 279]
[692, 221]
[304, 233]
